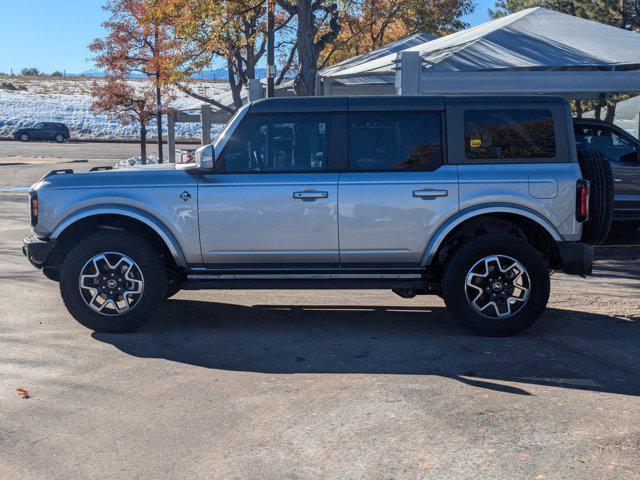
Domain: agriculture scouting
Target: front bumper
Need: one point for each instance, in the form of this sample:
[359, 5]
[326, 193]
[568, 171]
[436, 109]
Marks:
[36, 250]
[576, 258]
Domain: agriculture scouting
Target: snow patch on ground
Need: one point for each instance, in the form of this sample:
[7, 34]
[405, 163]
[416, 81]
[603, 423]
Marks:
[134, 161]
[69, 101]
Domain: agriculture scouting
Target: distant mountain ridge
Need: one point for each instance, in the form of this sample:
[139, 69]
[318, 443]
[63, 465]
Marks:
[216, 74]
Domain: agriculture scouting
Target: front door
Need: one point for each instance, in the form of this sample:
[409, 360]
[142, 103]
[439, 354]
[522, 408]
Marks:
[271, 202]
[39, 132]
[396, 191]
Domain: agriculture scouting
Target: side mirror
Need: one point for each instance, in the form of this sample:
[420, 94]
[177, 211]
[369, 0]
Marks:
[205, 157]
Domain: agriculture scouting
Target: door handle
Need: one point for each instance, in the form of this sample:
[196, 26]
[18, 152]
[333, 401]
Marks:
[430, 193]
[310, 195]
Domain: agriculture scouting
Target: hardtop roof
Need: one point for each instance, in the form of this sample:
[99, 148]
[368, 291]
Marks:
[388, 102]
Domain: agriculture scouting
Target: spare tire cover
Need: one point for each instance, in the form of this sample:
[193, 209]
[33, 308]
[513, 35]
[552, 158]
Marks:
[597, 170]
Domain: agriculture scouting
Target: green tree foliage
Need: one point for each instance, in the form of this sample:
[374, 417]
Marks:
[623, 14]
[30, 72]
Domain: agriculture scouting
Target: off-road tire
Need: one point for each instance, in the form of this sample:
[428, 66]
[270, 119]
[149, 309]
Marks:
[142, 253]
[597, 170]
[174, 286]
[454, 286]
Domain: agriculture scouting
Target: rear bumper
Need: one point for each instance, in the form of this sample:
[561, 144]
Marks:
[36, 250]
[576, 258]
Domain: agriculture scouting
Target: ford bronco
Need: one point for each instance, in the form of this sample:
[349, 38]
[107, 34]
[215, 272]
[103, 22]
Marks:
[475, 199]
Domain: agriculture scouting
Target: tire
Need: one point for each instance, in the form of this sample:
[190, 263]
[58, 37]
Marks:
[118, 249]
[458, 296]
[24, 137]
[59, 138]
[51, 273]
[173, 287]
[597, 170]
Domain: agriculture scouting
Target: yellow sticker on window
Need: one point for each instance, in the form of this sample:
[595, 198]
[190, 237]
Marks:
[475, 143]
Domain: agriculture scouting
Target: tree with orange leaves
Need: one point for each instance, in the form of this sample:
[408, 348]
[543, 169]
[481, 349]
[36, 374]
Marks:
[140, 39]
[234, 30]
[117, 96]
[371, 24]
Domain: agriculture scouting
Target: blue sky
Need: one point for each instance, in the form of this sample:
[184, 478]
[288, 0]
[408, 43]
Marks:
[54, 35]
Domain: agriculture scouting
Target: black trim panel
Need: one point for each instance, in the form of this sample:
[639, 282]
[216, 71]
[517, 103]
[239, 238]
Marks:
[576, 258]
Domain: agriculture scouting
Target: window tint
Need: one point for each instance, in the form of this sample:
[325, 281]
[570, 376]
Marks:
[394, 141]
[509, 133]
[279, 143]
[608, 142]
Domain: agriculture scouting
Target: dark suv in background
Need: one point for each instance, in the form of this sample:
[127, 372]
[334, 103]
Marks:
[43, 131]
[623, 152]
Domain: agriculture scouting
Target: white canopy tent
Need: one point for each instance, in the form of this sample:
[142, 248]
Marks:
[530, 52]
[329, 81]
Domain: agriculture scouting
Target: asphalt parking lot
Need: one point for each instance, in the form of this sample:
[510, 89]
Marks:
[308, 385]
[23, 163]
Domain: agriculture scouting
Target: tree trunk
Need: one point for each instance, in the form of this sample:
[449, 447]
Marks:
[143, 143]
[159, 117]
[306, 79]
[611, 111]
[158, 98]
[235, 84]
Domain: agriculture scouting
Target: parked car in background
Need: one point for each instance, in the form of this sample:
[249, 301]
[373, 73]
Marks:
[43, 131]
[623, 152]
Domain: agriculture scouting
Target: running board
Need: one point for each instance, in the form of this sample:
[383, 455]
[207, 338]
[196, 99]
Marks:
[304, 281]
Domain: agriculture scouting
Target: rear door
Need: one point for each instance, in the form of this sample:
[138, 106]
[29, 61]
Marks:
[397, 189]
[272, 202]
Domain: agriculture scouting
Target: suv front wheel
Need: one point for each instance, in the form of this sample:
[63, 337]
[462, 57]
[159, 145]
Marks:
[496, 285]
[113, 281]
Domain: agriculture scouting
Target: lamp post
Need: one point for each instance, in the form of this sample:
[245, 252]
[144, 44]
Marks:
[271, 67]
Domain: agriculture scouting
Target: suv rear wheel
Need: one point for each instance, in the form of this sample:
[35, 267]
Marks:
[113, 281]
[496, 285]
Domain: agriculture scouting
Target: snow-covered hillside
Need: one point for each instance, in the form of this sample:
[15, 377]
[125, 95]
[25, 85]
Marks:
[68, 100]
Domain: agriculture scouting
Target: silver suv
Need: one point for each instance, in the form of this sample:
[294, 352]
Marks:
[475, 199]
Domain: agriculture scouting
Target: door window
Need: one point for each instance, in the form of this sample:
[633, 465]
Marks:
[395, 141]
[279, 143]
[509, 134]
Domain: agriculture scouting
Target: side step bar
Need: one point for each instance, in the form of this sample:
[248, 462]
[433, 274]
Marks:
[303, 281]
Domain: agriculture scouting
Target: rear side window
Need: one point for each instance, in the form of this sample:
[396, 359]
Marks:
[395, 141]
[509, 134]
[279, 143]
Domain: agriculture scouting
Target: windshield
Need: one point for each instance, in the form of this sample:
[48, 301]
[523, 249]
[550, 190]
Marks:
[221, 140]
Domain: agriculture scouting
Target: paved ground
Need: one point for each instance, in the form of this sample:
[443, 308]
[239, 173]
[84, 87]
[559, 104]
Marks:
[26, 162]
[309, 385]
[78, 150]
